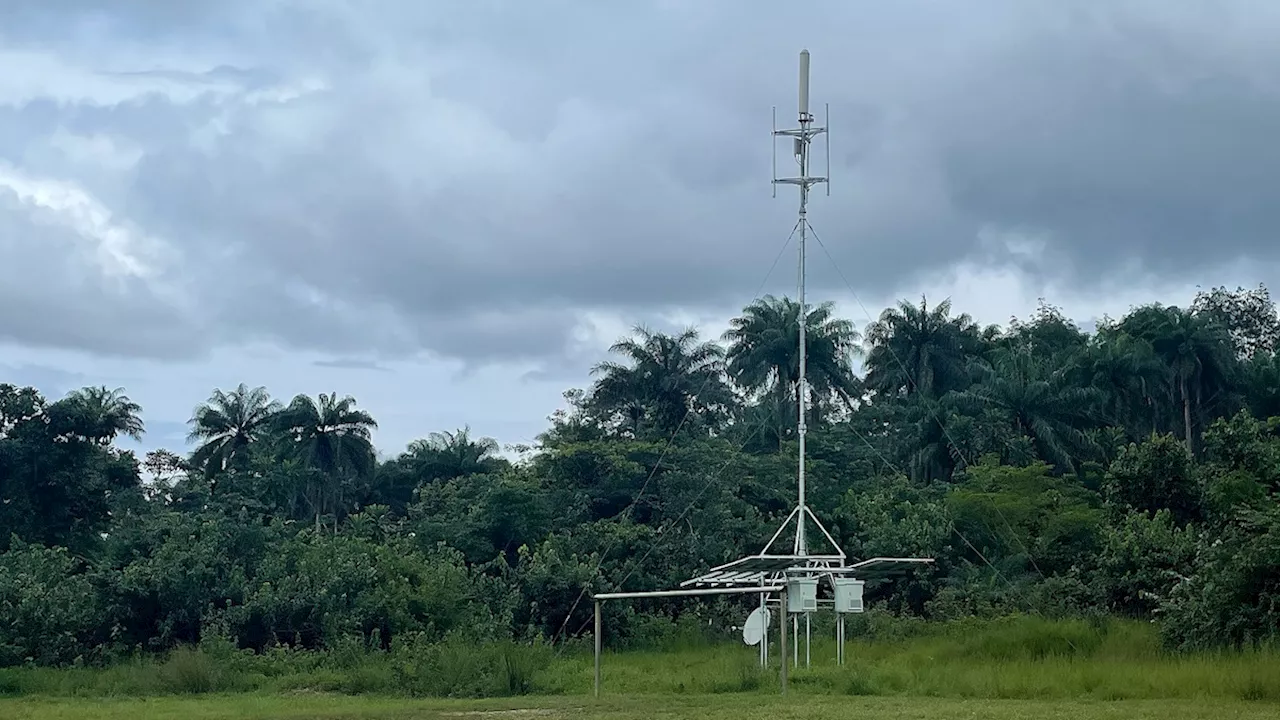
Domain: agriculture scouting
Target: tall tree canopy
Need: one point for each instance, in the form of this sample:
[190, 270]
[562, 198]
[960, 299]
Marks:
[662, 381]
[764, 356]
[226, 425]
[1133, 469]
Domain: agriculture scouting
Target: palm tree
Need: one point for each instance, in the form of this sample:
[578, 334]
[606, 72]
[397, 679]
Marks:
[449, 455]
[925, 441]
[1041, 403]
[439, 457]
[915, 349]
[1130, 377]
[1198, 351]
[764, 355]
[332, 439]
[106, 413]
[669, 378]
[227, 424]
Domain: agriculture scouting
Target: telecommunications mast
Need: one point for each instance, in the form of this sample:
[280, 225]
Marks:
[787, 580]
[801, 138]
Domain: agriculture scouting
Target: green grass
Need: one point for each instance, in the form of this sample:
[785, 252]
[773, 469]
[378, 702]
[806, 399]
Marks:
[1023, 658]
[1018, 667]
[661, 707]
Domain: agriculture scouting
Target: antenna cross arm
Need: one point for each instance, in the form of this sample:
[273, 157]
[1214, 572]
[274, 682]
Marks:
[806, 181]
[801, 132]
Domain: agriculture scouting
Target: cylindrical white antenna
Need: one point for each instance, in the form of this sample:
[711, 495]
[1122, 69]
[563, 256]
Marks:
[804, 84]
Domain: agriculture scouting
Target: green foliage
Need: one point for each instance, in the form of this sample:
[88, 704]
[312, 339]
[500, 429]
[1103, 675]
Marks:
[1027, 517]
[1048, 471]
[671, 379]
[1233, 596]
[191, 671]
[197, 563]
[764, 358]
[1155, 475]
[322, 587]
[57, 478]
[1142, 558]
[482, 515]
[896, 517]
[50, 611]
[1242, 466]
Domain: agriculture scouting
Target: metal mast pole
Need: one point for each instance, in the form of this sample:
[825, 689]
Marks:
[802, 157]
[801, 137]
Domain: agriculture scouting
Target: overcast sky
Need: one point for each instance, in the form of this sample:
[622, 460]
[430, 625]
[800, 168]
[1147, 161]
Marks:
[450, 209]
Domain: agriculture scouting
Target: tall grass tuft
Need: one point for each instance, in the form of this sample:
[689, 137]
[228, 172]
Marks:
[189, 670]
[1018, 657]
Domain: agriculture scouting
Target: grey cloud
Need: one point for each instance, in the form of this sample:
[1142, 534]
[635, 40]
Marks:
[351, 364]
[1168, 164]
[52, 382]
[466, 181]
[55, 290]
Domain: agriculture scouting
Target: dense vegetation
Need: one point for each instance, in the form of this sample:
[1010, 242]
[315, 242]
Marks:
[1131, 471]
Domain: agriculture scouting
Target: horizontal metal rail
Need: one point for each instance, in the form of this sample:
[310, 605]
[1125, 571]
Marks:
[757, 590]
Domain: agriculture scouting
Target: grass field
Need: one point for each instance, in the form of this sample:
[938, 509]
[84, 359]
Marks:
[1018, 668]
[702, 707]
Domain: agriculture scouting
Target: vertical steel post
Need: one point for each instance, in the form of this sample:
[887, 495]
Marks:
[795, 641]
[840, 639]
[808, 640]
[783, 639]
[764, 636]
[597, 683]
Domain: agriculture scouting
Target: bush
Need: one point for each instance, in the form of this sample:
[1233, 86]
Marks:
[463, 669]
[1233, 598]
[50, 611]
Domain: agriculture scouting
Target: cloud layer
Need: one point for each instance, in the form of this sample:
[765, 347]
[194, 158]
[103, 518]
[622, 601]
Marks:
[476, 180]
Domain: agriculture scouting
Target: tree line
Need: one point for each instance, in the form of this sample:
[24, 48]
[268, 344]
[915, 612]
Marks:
[1132, 469]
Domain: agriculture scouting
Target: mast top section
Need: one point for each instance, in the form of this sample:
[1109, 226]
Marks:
[804, 86]
[802, 135]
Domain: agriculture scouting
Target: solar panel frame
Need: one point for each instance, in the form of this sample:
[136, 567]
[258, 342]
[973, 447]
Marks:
[757, 569]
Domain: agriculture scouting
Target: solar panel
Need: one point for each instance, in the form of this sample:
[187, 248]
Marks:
[755, 569]
[886, 567]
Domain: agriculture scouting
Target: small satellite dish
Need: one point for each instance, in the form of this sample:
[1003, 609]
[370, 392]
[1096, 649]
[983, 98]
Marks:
[753, 630]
